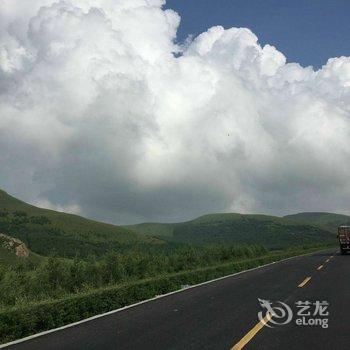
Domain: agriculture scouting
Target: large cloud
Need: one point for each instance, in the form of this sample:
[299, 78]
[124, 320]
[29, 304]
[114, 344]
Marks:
[102, 113]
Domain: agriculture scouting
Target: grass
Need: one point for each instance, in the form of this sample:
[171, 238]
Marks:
[9, 258]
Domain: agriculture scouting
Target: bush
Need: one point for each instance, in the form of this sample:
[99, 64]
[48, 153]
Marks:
[22, 321]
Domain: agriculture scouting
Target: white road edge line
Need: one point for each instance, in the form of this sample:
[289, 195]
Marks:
[146, 301]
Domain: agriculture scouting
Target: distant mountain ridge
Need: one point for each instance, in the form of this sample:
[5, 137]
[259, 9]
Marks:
[328, 221]
[233, 228]
[47, 232]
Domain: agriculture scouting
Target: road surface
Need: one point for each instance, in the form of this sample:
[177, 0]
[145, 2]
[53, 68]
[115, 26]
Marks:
[224, 314]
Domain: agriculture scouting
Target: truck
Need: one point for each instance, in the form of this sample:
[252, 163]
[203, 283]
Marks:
[344, 239]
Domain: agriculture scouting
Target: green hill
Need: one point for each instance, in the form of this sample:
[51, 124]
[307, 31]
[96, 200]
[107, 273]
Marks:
[13, 251]
[153, 229]
[328, 221]
[270, 231]
[46, 231]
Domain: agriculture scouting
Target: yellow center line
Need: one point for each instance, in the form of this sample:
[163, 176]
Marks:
[250, 335]
[306, 280]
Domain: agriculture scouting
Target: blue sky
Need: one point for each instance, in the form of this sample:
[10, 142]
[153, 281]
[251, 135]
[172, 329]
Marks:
[305, 31]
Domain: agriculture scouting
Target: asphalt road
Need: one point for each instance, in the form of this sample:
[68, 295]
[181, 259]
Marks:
[224, 314]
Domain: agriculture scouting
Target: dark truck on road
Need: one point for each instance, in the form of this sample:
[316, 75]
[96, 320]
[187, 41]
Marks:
[344, 238]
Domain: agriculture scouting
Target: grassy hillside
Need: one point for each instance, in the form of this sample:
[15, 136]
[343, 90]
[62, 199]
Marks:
[9, 258]
[153, 229]
[328, 221]
[14, 252]
[270, 231]
[46, 231]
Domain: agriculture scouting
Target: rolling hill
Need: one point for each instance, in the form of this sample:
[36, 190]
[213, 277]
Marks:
[270, 231]
[49, 232]
[328, 221]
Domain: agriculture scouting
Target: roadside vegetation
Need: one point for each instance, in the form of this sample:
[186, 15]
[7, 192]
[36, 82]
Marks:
[55, 277]
[69, 268]
[66, 291]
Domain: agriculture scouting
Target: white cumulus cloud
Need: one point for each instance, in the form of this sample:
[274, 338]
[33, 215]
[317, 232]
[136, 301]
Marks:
[102, 113]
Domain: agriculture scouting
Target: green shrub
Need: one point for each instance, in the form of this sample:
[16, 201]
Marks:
[35, 317]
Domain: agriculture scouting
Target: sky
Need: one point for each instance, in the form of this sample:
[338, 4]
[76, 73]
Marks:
[108, 109]
[308, 32]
